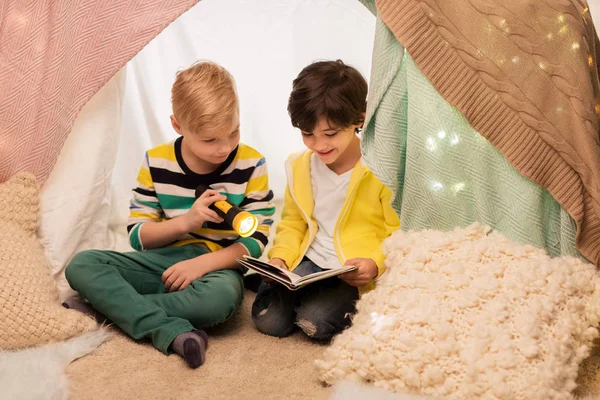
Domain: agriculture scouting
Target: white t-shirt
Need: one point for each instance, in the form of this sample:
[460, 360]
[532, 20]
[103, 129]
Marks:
[329, 192]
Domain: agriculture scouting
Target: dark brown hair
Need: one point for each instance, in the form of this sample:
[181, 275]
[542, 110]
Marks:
[328, 89]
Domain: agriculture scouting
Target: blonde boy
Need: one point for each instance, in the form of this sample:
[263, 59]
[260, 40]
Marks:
[184, 275]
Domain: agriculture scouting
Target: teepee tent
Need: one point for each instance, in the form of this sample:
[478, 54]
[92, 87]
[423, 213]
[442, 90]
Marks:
[459, 129]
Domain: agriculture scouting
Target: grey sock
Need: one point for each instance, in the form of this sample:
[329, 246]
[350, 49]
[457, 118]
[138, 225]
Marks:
[192, 347]
[77, 303]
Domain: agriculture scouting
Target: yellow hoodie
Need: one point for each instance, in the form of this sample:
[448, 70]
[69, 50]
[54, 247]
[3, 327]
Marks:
[365, 220]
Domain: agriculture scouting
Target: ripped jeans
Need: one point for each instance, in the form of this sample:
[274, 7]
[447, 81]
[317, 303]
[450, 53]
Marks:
[322, 309]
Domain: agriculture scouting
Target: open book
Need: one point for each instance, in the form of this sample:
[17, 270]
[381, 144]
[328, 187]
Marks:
[288, 278]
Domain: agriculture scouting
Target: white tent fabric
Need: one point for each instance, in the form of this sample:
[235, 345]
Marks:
[76, 198]
[263, 44]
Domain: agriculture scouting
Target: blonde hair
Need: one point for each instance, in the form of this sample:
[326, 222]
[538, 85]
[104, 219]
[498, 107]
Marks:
[204, 96]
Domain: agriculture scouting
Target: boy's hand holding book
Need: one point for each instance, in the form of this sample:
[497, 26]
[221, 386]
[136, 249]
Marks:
[366, 270]
[279, 263]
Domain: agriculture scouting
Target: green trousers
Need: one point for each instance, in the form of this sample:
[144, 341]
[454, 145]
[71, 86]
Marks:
[127, 288]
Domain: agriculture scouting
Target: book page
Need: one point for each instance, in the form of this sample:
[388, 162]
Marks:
[325, 274]
[268, 269]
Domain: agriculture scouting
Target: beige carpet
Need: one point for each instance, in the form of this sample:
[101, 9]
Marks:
[589, 374]
[241, 363]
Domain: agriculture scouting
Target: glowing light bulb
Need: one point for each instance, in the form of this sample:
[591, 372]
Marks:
[431, 145]
[241, 221]
[457, 187]
[436, 186]
[247, 226]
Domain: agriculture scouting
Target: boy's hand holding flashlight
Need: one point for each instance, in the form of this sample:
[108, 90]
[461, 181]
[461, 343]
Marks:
[243, 222]
[200, 212]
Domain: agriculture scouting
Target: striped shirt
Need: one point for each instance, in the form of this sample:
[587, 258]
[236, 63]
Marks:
[166, 189]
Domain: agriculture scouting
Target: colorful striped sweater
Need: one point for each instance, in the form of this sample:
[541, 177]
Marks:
[166, 190]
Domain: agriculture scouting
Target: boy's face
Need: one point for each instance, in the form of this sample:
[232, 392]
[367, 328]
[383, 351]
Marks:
[329, 142]
[211, 146]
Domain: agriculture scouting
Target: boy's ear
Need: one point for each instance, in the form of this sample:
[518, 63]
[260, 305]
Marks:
[363, 115]
[175, 124]
[358, 129]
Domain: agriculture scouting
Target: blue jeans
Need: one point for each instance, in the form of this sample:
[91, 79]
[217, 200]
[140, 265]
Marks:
[322, 309]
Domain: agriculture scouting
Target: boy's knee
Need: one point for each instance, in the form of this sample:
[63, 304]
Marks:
[319, 324]
[230, 298]
[271, 325]
[76, 270]
[272, 328]
[221, 307]
[86, 257]
[319, 329]
[270, 319]
[311, 329]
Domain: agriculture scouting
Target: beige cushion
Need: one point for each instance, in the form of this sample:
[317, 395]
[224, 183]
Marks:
[30, 313]
[470, 314]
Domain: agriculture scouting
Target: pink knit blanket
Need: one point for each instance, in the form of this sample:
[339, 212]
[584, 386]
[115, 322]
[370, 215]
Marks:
[54, 56]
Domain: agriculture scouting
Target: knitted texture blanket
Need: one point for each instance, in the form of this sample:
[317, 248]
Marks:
[30, 313]
[524, 74]
[54, 56]
[443, 173]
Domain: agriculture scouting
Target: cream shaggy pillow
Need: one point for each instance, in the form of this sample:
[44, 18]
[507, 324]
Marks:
[470, 314]
[30, 313]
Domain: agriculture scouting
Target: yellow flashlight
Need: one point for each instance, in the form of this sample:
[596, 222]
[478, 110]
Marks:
[241, 221]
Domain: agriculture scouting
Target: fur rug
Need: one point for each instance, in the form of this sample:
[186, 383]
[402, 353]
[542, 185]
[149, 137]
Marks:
[39, 372]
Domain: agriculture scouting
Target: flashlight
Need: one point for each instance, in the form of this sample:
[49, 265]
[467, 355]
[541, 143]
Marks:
[241, 221]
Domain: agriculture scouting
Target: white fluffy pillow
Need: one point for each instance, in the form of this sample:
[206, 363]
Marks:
[470, 314]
